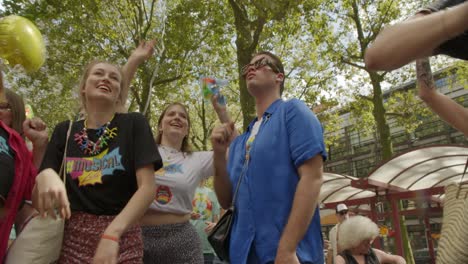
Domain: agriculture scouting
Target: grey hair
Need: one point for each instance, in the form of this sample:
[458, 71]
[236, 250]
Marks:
[355, 230]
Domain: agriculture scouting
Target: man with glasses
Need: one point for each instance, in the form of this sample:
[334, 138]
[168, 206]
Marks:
[279, 162]
[341, 215]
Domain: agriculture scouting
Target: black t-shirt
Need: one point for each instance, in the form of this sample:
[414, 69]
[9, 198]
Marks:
[7, 164]
[458, 46]
[103, 183]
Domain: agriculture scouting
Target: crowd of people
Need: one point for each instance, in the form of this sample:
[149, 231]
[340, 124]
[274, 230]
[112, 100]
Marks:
[128, 196]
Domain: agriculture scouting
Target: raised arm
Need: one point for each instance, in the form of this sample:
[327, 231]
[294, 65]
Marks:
[449, 110]
[143, 52]
[221, 110]
[220, 139]
[415, 38]
[387, 258]
[223, 114]
[36, 131]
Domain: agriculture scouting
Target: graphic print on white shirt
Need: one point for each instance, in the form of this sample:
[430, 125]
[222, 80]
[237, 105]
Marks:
[177, 180]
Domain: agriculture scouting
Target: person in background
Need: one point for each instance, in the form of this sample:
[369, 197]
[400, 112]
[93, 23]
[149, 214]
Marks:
[205, 215]
[341, 215]
[356, 236]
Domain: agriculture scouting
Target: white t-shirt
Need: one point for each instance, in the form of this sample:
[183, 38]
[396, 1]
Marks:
[178, 179]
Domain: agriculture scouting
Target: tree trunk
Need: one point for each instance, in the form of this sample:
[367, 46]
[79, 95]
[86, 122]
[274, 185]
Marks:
[385, 139]
[383, 130]
[248, 34]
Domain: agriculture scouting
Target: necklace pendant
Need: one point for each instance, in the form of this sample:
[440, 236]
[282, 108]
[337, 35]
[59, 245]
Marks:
[90, 147]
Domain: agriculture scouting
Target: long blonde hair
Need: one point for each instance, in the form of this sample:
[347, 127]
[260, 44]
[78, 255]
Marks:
[85, 76]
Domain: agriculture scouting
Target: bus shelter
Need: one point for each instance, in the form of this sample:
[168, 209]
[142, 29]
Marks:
[418, 175]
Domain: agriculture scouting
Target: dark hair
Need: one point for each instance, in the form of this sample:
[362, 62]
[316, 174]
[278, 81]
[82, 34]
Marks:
[85, 76]
[277, 62]
[18, 114]
[185, 142]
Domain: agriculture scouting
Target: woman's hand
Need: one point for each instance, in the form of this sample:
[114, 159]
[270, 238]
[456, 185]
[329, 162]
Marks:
[144, 51]
[194, 216]
[36, 131]
[107, 252]
[209, 226]
[51, 195]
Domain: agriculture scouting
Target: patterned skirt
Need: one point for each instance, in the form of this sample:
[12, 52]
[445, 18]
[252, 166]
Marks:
[83, 232]
[172, 243]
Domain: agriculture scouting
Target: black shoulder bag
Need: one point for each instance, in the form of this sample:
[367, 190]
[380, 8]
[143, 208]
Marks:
[220, 235]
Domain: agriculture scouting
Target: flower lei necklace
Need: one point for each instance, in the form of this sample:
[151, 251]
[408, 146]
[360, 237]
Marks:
[104, 135]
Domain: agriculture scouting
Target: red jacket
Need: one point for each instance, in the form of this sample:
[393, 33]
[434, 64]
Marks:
[23, 183]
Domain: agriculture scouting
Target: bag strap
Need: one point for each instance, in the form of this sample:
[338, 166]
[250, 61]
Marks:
[63, 172]
[244, 168]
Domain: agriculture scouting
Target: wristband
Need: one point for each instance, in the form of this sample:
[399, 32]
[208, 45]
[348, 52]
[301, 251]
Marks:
[109, 237]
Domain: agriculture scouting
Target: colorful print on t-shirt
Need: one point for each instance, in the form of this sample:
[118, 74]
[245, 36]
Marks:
[163, 194]
[90, 170]
[169, 168]
[4, 147]
[202, 205]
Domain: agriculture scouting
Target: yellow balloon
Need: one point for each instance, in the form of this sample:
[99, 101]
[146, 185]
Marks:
[21, 43]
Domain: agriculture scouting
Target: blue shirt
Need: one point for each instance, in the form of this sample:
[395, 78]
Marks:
[289, 135]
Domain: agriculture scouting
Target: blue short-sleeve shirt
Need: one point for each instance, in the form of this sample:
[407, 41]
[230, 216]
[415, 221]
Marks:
[289, 135]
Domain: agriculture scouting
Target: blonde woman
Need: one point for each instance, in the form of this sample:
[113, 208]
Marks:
[356, 237]
[110, 162]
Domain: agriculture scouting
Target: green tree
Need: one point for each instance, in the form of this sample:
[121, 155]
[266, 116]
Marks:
[355, 25]
[252, 19]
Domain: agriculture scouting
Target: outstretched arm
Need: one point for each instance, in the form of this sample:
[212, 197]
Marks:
[387, 258]
[143, 52]
[418, 37]
[449, 110]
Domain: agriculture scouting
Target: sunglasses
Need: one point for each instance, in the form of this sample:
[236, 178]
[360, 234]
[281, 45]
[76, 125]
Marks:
[259, 64]
[343, 212]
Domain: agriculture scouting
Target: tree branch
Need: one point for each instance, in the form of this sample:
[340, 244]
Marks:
[397, 114]
[343, 60]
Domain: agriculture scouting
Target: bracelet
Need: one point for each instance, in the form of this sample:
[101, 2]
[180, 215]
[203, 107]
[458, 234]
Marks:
[109, 237]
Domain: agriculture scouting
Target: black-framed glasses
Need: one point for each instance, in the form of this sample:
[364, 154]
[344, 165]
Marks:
[343, 212]
[259, 64]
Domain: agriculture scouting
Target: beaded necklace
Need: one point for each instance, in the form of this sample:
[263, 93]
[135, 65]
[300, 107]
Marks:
[104, 134]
